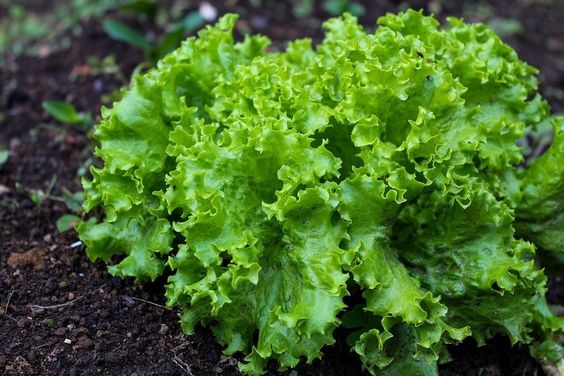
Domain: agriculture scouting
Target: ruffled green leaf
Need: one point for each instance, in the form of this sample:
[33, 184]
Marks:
[142, 241]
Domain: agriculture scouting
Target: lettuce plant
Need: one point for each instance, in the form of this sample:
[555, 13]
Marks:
[373, 182]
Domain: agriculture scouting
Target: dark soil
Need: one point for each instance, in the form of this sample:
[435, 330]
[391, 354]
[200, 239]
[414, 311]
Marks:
[61, 314]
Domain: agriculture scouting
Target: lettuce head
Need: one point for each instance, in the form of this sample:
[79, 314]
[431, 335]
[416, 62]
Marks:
[372, 182]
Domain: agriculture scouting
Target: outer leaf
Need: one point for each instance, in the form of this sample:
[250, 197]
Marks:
[487, 278]
[391, 292]
[540, 215]
[142, 241]
[401, 347]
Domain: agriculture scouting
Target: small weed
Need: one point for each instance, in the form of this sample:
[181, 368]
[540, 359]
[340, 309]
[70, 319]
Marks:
[506, 27]
[67, 222]
[155, 50]
[337, 7]
[4, 155]
[66, 113]
[105, 66]
[84, 167]
[74, 203]
[124, 33]
[303, 8]
[48, 322]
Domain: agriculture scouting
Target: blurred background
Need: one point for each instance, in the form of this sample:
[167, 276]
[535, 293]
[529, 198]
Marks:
[60, 62]
[154, 27]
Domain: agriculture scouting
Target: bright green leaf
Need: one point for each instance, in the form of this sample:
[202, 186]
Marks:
[67, 222]
[62, 112]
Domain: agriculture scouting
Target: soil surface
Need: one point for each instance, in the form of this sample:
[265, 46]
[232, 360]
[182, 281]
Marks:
[61, 314]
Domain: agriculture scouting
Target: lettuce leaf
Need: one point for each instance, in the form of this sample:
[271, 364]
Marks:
[540, 214]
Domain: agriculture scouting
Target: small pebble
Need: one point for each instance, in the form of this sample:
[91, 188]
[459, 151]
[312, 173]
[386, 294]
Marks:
[208, 11]
[98, 85]
[84, 343]
[129, 301]
[259, 22]
[67, 341]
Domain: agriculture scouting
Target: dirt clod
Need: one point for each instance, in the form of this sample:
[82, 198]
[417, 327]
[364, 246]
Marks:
[33, 258]
[18, 367]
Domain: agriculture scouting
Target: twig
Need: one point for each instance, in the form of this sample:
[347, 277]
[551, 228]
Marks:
[182, 346]
[148, 302]
[8, 302]
[107, 332]
[185, 367]
[55, 198]
[40, 346]
[36, 306]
